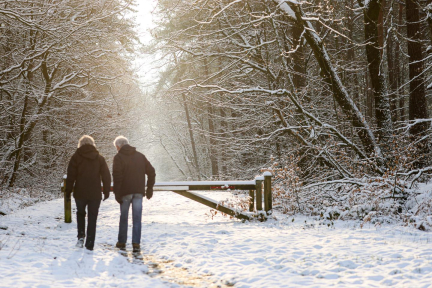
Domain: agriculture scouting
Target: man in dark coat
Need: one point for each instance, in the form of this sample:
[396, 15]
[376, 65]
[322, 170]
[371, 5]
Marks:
[129, 170]
[85, 171]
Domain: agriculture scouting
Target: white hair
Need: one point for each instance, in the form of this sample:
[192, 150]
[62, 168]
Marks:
[86, 140]
[120, 141]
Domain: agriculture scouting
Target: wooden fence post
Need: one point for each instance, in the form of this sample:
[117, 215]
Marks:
[267, 192]
[67, 203]
[251, 200]
[258, 188]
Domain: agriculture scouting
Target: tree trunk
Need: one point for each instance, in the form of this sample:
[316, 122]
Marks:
[25, 132]
[299, 79]
[192, 139]
[373, 53]
[351, 53]
[18, 149]
[212, 139]
[398, 66]
[392, 77]
[429, 19]
[223, 132]
[369, 98]
[417, 96]
[213, 144]
[381, 27]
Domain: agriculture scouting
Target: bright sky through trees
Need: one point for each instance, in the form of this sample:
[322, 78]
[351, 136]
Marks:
[144, 20]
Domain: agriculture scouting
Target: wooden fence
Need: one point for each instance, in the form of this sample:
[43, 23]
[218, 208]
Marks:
[185, 188]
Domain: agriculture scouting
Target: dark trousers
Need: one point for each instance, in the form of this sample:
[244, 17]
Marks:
[93, 210]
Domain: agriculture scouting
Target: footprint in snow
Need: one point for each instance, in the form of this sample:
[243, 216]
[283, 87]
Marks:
[375, 278]
[259, 260]
[394, 272]
[37, 265]
[330, 276]
[213, 241]
[348, 264]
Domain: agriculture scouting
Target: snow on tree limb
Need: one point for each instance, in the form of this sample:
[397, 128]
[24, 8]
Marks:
[332, 78]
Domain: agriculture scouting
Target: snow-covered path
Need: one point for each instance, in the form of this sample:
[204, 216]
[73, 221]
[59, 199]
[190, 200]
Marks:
[37, 250]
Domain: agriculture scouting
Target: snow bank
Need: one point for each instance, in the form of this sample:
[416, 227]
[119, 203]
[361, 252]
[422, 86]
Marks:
[368, 199]
[15, 199]
[419, 207]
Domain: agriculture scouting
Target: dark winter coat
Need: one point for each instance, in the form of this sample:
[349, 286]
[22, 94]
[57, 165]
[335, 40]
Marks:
[85, 171]
[129, 170]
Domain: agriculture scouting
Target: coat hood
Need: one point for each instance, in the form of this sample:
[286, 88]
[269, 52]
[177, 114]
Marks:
[88, 151]
[127, 150]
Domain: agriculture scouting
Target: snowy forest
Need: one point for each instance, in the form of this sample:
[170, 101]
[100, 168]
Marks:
[332, 97]
[240, 143]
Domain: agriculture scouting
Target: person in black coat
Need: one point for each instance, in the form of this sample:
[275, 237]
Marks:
[85, 171]
[130, 168]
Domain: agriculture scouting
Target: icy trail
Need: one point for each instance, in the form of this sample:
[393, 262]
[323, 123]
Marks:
[37, 250]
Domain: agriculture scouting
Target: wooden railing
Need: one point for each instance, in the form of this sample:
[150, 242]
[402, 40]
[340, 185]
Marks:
[184, 188]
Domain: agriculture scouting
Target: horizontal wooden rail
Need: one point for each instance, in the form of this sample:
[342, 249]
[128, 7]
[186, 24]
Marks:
[201, 185]
[183, 188]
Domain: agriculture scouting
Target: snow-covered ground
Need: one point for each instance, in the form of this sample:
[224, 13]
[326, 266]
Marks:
[37, 250]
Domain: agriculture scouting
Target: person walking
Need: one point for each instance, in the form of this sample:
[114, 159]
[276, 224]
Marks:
[84, 173]
[129, 170]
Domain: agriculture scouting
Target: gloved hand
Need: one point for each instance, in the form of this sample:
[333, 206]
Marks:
[106, 196]
[149, 193]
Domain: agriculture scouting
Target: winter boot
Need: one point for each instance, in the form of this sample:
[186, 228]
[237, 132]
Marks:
[80, 243]
[136, 247]
[121, 246]
[89, 245]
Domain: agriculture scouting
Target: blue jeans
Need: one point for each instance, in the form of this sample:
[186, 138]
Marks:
[136, 200]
